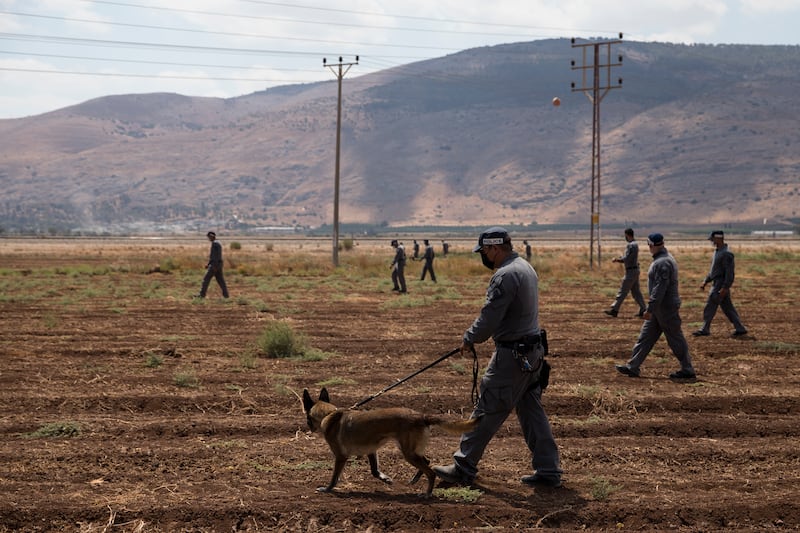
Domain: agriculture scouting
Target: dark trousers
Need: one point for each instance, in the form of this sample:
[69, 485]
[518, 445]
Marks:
[214, 272]
[399, 278]
[714, 301]
[428, 268]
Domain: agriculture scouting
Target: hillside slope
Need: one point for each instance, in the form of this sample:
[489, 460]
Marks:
[698, 134]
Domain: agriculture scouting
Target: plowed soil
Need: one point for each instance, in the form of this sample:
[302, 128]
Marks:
[125, 405]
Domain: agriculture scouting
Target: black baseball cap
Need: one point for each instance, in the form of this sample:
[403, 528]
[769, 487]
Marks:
[493, 235]
[656, 239]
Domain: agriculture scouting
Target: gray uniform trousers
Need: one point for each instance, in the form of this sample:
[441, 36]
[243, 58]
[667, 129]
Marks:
[399, 276]
[506, 387]
[214, 272]
[630, 283]
[725, 303]
[668, 322]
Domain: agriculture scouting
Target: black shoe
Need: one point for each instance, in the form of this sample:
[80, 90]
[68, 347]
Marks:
[451, 474]
[403, 292]
[628, 371]
[610, 312]
[541, 481]
[701, 333]
[682, 374]
[739, 333]
[640, 314]
[396, 289]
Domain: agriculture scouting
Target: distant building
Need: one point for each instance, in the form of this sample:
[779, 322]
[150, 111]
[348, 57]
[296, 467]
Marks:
[775, 233]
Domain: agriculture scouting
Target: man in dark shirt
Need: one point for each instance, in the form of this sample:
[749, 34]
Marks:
[214, 267]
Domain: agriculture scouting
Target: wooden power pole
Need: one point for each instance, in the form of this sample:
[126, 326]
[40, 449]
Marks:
[339, 70]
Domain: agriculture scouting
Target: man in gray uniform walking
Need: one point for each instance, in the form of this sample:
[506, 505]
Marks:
[428, 257]
[630, 282]
[517, 371]
[721, 278]
[661, 315]
[398, 267]
[214, 267]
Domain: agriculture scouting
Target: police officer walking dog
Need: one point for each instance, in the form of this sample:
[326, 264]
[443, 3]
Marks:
[630, 282]
[661, 315]
[517, 370]
[214, 267]
[721, 278]
[398, 267]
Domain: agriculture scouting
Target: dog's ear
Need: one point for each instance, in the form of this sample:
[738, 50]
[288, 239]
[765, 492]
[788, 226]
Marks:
[308, 403]
[323, 395]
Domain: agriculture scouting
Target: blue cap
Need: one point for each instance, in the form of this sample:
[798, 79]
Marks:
[656, 239]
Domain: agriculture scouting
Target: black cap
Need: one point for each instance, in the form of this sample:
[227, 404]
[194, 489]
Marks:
[394, 242]
[494, 235]
[211, 234]
[656, 239]
[716, 233]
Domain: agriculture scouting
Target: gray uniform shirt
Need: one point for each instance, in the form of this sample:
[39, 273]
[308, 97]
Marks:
[399, 256]
[511, 310]
[662, 282]
[722, 268]
[631, 256]
[215, 256]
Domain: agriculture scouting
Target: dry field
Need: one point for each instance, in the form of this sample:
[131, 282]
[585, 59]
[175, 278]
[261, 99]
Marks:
[125, 405]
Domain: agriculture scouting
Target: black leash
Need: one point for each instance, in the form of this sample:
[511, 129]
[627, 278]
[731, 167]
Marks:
[421, 370]
[475, 396]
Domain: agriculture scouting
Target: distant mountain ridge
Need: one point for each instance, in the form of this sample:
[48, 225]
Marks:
[702, 134]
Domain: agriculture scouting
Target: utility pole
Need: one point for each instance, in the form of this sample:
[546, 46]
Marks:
[595, 93]
[339, 71]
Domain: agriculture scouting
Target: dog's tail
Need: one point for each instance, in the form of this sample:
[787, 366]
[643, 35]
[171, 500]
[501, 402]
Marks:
[456, 427]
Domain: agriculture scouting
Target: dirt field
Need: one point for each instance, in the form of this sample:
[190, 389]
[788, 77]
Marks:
[127, 406]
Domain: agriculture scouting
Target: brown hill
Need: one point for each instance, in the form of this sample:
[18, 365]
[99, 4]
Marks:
[697, 135]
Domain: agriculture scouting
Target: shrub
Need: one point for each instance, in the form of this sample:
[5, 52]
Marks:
[56, 429]
[186, 379]
[153, 361]
[279, 340]
[602, 488]
[235, 245]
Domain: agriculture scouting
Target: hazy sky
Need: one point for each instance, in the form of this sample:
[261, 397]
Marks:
[56, 53]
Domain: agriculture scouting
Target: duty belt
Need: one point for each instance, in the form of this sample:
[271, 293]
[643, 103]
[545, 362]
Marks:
[632, 268]
[528, 340]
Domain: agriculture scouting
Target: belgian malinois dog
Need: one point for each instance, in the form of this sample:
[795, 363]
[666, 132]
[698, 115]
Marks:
[350, 432]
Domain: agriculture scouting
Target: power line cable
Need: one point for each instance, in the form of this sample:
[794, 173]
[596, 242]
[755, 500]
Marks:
[315, 22]
[159, 76]
[211, 32]
[83, 41]
[146, 62]
[375, 14]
